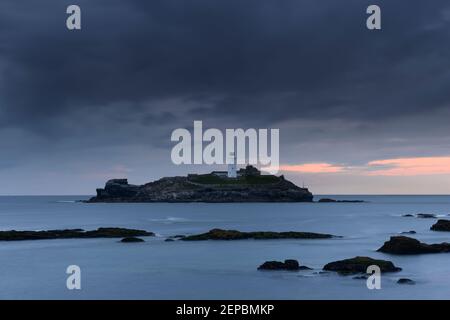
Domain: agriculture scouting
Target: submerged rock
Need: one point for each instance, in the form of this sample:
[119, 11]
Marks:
[426, 216]
[405, 281]
[328, 200]
[322, 272]
[169, 240]
[131, 239]
[421, 215]
[305, 268]
[359, 265]
[219, 234]
[364, 277]
[441, 225]
[13, 235]
[290, 264]
[406, 245]
[409, 232]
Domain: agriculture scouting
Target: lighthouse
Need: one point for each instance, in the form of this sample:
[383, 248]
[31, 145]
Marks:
[232, 165]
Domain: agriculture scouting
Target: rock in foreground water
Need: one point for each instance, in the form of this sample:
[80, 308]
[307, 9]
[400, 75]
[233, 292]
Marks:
[360, 265]
[441, 225]
[406, 245]
[291, 265]
[406, 281]
[219, 234]
[409, 232]
[13, 235]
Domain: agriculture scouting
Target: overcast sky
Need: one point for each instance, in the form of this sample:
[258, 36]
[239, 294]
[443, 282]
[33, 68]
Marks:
[359, 111]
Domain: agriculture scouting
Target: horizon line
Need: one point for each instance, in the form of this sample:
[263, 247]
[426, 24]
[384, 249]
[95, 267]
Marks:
[315, 195]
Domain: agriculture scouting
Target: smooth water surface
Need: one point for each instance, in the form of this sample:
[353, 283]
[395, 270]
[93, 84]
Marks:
[157, 269]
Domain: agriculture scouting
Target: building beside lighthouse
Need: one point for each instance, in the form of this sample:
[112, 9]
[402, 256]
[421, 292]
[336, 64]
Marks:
[231, 168]
[233, 173]
[248, 171]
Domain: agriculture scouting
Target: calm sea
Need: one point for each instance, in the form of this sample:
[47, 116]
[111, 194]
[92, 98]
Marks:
[157, 269]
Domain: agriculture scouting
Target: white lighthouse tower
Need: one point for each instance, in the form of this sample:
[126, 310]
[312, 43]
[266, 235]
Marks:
[232, 165]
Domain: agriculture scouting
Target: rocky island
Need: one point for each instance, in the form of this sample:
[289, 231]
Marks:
[249, 186]
[219, 234]
[14, 235]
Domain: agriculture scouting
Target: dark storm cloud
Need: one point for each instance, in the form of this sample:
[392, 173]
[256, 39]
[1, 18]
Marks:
[139, 69]
[289, 59]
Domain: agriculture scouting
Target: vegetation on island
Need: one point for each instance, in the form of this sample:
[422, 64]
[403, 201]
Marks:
[213, 179]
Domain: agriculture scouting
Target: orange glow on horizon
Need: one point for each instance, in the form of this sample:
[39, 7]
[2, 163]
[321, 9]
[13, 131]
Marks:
[410, 166]
[312, 168]
[414, 166]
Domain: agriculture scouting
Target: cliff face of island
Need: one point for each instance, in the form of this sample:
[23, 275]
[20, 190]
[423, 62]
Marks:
[249, 186]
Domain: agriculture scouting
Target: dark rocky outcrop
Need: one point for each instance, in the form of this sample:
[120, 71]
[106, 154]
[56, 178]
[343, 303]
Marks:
[406, 281]
[408, 215]
[291, 265]
[169, 240]
[406, 245]
[251, 187]
[131, 239]
[441, 225]
[360, 265]
[219, 234]
[118, 188]
[13, 235]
